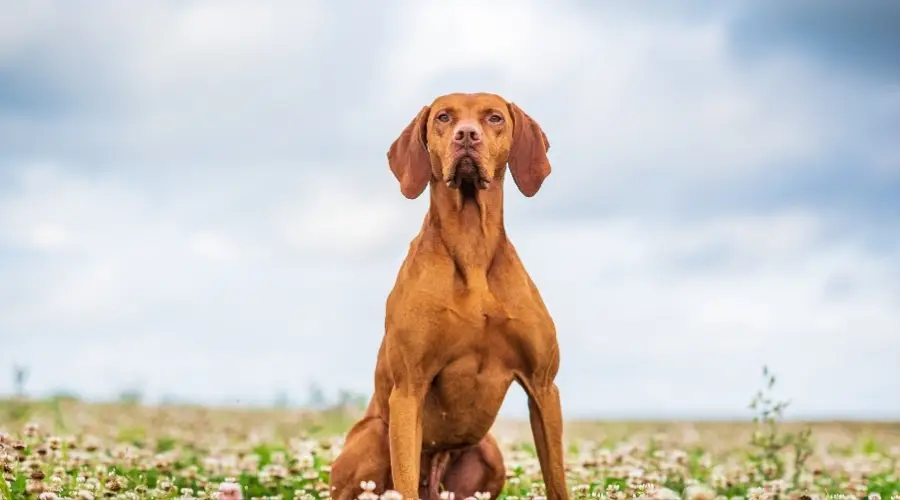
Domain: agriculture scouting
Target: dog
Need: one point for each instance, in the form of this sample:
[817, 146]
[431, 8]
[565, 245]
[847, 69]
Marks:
[464, 320]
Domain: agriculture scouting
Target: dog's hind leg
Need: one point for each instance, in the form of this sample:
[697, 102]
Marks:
[479, 468]
[364, 457]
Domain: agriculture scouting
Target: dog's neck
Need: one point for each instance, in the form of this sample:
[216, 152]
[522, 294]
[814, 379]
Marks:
[470, 229]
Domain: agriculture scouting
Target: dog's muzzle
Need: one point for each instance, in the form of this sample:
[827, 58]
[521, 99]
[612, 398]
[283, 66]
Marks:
[467, 170]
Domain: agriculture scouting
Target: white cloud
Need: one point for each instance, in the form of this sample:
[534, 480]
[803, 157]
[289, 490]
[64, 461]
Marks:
[253, 223]
[68, 212]
[209, 245]
[680, 106]
[118, 251]
[219, 47]
[658, 102]
[635, 324]
[187, 82]
[529, 44]
[340, 217]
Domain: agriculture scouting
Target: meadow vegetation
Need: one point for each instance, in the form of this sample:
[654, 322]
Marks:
[63, 448]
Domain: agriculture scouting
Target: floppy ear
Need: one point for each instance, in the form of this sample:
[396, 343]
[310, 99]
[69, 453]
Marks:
[528, 161]
[408, 157]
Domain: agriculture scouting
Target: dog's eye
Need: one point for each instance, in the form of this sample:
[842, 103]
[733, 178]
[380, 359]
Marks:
[495, 118]
[444, 117]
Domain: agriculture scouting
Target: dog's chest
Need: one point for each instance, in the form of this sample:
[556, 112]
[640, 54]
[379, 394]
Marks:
[478, 308]
[482, 322]
[464, 400]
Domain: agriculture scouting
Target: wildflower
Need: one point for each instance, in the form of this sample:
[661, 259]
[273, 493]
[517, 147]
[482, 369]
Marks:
[613, 492]
[116, 483]
[699, 492]
[368, 491]
[663, 493]
[33, 487]
[391, 495]
[757, 494]
[54, 442]
[578, 490]
[32, 429]
[229, 490]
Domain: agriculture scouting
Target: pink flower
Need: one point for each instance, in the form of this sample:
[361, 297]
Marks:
[229, 491]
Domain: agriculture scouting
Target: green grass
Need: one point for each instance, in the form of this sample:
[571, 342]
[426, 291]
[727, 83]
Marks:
[62, 448]
[132, 451]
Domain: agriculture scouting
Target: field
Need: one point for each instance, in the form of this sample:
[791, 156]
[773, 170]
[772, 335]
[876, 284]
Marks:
[67, 449]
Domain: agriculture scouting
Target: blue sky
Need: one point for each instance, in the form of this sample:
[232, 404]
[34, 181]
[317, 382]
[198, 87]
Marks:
[194, 197]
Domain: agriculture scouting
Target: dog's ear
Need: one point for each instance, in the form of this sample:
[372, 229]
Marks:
[528, 160]
[408, 156]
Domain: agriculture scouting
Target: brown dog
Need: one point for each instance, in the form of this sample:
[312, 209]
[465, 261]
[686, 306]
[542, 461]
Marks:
[464, 319]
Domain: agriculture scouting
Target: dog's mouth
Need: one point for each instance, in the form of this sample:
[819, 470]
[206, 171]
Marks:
[467, 176]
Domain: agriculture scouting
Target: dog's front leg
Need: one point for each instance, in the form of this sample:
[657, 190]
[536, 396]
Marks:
[545, 414]
[546, 426]
[406, 438]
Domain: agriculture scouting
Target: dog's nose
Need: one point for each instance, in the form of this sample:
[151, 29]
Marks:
[466, 135]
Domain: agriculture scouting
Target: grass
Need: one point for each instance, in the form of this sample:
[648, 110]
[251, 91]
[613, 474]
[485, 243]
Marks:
[68, 449]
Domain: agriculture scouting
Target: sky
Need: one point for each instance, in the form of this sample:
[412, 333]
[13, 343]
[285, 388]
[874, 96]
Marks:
[195, 201]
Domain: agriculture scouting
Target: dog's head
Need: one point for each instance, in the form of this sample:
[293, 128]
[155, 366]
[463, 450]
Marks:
[464, 141]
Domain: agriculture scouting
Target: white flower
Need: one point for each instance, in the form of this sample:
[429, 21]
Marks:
[699, 492]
